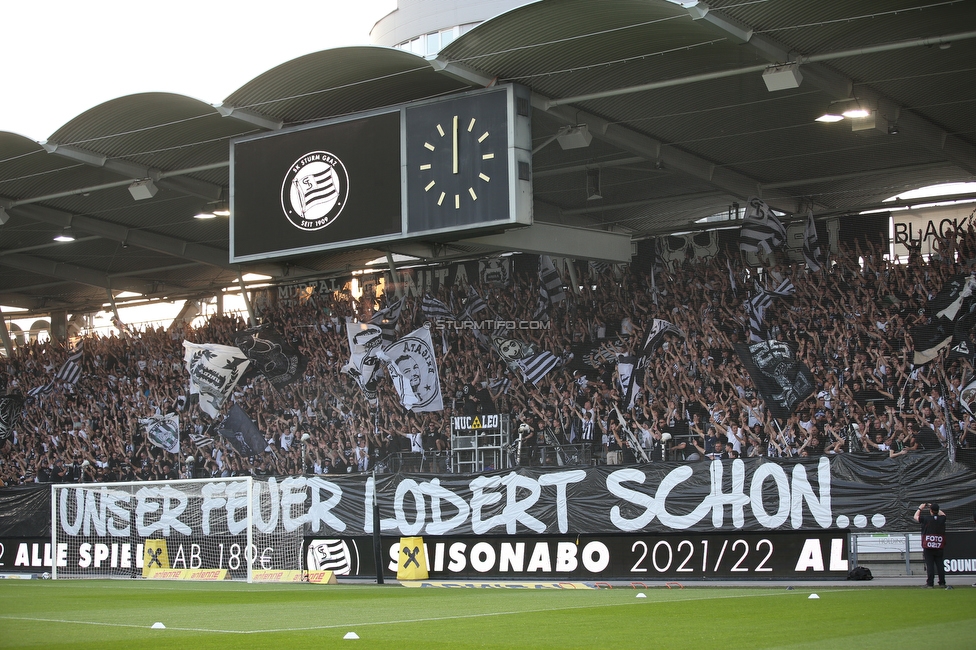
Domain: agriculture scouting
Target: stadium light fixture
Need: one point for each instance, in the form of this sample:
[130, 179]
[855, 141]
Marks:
[222, 209]
[65, 235]
[852, 108]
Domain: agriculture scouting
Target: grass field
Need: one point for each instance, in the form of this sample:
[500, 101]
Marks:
[119, 614]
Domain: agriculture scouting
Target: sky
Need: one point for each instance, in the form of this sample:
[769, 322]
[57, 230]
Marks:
[59, 58]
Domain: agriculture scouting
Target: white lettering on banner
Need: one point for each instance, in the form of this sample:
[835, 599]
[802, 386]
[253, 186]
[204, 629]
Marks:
[171, 504]
[29, 555]
[560, 480]
[438, 526]
[508, 503]
[510, 557]
[774, 471]
[811, 556]
[471, 422]
[790, 500]
[236, 507]
[271, 523]
[294, 492]
[320, 512]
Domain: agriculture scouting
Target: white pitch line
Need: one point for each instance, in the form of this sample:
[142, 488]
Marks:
[412, 620]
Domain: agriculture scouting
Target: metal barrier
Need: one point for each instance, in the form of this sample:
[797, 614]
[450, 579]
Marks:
[883, 551]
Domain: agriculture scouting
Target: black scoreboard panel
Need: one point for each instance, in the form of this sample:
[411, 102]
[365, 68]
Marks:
[437, 168]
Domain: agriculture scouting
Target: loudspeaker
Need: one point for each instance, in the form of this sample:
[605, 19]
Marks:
[143, 190]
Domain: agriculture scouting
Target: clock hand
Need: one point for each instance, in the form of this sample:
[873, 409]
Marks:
[455, 136]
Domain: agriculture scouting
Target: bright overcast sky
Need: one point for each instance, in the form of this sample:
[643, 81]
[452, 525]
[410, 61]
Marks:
[59, 58]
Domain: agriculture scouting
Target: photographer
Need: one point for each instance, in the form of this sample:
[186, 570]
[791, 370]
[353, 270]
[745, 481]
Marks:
[933, 523]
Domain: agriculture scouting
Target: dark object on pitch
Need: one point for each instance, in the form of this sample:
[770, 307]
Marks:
[860, 573]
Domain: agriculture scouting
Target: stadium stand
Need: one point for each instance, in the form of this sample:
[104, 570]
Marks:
[852, 322]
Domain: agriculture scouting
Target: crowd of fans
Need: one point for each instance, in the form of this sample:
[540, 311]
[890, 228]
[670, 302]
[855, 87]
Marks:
[850, 321]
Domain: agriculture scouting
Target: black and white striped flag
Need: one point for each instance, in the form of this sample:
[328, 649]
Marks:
[655, 333]
[501, 383]
[10, 410]
[811, 244]
[541, 311]
[386, 319]
[551, 280]
[71, 370]
[784, 289]
[761, 299]
[537, 366]
[761, 230]
[435, 309]
[43, 389]
[474, 303]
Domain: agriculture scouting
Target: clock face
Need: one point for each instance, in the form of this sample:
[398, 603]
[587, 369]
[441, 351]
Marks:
[457, 171]
[459, 153]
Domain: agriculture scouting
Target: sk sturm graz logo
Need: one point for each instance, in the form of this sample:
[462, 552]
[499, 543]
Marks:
[314, 191]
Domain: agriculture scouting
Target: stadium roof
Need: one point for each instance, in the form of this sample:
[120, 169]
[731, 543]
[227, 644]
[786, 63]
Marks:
[673, 94]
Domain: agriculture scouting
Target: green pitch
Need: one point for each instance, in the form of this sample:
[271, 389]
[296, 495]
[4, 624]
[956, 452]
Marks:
[83, 614]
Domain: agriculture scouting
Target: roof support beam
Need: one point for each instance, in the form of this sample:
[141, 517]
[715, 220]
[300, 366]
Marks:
[183, 185]
[549, 239]
[461, 72]
[647, 147]
[630, 140]
[72, 273]
[911, 125]
[150, 241]
[249, 116]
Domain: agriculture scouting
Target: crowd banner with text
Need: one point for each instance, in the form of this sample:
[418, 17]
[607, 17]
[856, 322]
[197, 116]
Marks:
[109, 528]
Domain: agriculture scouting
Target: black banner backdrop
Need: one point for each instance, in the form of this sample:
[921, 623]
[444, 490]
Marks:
[732, 555]
[863, 493]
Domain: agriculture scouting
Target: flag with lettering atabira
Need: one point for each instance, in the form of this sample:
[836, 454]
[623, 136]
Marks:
[271, 354]
[242, 433]
[162, 431]
[412, 367]
[782, 380]
[214, 372]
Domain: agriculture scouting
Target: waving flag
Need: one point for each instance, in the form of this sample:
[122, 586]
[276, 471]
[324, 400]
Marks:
[761, 230]
[537, 366]
[10, 410]
[163, 431]
[214, 372]
[386, 320]
[781, 379]
[811, 244]
[271, 354]
[364, 341]
[242, 433]
[551, 280]
[413, 370]
[435, 309]
[655, 334]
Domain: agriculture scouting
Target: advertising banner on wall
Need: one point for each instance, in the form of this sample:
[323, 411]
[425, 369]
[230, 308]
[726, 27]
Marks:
[711, 556]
